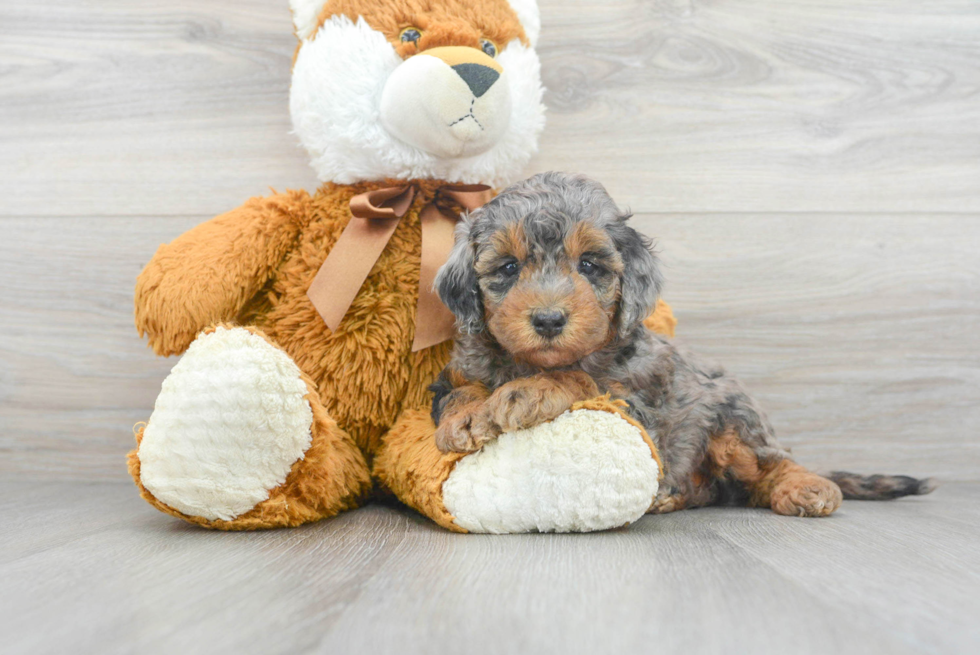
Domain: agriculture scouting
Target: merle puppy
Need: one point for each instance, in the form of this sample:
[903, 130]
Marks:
[550, 287]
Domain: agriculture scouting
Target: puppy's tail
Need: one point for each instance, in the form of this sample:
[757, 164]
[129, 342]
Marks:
[880, 487]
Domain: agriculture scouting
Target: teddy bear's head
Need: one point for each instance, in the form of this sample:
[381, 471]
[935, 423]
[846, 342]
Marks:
[415, 89]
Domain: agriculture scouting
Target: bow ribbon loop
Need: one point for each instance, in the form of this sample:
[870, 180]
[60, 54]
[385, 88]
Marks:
[375, 216]
[467, 196]
[390, 202]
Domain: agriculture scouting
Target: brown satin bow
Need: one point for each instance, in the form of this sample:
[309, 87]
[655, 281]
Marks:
[375, 215]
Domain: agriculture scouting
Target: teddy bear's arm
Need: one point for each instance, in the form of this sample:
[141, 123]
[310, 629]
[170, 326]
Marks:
[210, 272]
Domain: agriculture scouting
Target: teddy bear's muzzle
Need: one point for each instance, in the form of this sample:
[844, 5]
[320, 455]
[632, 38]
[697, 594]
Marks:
[451, 101]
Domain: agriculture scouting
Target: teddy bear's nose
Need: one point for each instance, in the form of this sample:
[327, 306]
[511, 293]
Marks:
[477, 76]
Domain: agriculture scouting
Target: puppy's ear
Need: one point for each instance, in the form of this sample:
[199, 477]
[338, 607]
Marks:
[642, 280]
[457, 283]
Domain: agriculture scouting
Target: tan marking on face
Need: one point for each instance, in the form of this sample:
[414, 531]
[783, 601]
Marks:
[509, 319]
[589, 325]
[586, 237]
[507, 242]
[445, 23]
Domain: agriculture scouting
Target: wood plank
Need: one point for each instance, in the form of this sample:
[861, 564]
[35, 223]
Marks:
[684, 105]
[884, 562]
[860, 335]
[118, 577]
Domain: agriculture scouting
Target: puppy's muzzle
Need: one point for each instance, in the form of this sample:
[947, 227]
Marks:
[548, 323]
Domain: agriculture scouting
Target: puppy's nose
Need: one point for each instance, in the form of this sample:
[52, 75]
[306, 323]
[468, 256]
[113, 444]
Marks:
[548, 322]
[477, 76]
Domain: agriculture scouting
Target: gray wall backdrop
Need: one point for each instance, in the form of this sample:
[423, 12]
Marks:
[811, 170]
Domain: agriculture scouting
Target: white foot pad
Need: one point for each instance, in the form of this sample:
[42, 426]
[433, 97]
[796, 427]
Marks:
[586, 470]
[227, 427]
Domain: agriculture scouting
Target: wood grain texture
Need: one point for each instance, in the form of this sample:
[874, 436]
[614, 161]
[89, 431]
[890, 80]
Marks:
[735, 105]
[92, 569]
[858, 334]
[180, 107]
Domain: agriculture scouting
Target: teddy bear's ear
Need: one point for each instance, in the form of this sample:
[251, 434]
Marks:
[305, 14]
[527, 13]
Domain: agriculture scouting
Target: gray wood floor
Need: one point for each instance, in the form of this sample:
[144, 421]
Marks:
[87, 569]
[811, 171]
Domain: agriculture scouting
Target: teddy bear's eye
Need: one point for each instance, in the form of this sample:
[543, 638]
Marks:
[488, 47]
[410, 35]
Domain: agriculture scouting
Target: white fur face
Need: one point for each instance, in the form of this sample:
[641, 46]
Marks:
[363, 113]
[428, 104]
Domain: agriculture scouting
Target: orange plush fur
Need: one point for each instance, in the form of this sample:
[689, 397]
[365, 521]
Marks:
[448, 22]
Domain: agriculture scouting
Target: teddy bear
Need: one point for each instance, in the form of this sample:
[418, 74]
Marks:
[307, 323]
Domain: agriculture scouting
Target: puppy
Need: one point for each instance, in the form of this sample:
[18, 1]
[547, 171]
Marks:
[549, 287]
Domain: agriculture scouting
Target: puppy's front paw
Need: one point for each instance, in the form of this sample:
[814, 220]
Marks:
[527, 402]
[518, 405]
[465, 431]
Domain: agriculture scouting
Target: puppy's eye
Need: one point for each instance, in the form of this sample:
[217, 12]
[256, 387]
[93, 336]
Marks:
[588, 267]
[509, 269]
[488, 47]
[410, 35]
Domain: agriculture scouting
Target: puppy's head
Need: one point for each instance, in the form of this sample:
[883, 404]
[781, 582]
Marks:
[551, 269]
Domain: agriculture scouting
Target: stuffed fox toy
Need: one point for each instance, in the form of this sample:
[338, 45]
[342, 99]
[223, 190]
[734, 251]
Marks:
[307, 323]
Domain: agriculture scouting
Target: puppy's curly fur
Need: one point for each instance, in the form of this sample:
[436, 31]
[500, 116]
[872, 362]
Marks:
[550, 287]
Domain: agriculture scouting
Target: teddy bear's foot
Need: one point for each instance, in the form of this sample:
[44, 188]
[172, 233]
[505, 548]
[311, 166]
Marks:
[238, 439]
[589, 469]
[586, 470]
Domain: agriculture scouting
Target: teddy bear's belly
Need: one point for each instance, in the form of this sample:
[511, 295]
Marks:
[366, 372]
